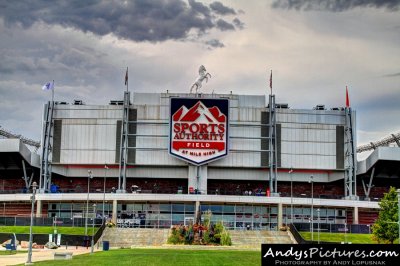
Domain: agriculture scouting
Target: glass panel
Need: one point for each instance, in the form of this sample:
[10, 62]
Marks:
[216, 208]
[258, 209]
[153, 207]
[248, 209]
[228, 208]
[165, 207]
[248, 217]
[164, 223]
[216, 218]
[307, 211]
[204, 208]
[65, 206]
[178, 207]
[164, 216]
[297, 211]
[189, 208]
[239, 208]
[137, 207]
[330, 212]
[78, 206]
[177, 219]
[228, 218]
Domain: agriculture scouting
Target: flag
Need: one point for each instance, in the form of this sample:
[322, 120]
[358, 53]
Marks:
[270, 81]
[347, 98]
[126, 77]
[48, 86]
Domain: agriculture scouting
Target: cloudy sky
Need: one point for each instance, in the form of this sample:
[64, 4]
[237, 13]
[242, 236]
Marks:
[314, 47]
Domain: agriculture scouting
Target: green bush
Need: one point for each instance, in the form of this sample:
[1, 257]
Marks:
[175, 237]
[226, 238]
[206, 238]
[189, 236]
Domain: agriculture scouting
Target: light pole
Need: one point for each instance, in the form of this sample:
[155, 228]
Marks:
[291, 194]
[29, 260]
[94, 217]
[104, 186]
[312, 208]
[87, 200]
[398, 209]
[345, 232]
[318, 211]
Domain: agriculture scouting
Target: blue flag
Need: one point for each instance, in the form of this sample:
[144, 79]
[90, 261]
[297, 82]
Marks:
[48, 86]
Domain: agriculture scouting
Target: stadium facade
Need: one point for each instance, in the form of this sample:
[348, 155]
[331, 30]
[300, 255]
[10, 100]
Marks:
[157, 164]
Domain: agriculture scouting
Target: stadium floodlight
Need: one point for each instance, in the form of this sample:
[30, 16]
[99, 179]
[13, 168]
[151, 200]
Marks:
[90, 176]
[29, 260]
[291, 193]
[94, 217]
[312, 208]
[398, 210]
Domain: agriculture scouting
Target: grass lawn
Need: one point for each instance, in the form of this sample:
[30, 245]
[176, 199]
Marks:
[158, 257]
[340, 237]
[46, 230]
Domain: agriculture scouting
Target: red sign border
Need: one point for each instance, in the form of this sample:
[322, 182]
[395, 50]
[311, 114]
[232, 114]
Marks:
[170, 131]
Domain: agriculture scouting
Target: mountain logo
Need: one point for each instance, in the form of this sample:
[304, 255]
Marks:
[199, 129]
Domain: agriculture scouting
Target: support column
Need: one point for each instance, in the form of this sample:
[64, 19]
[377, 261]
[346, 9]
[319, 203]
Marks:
[355, 215]
[114, 211]
[197, 213]
[202, 181]
[192, 177]
[280, 215]
[38, 208]
[197, 178]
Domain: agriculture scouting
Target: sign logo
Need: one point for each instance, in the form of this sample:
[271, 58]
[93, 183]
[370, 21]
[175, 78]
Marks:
[199, 129]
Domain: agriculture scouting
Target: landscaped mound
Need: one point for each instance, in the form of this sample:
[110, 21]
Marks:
[200, 234]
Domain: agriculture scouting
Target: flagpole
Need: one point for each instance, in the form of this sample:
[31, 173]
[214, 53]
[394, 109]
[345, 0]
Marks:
[127, 79]
[52, 92]
[270, 82]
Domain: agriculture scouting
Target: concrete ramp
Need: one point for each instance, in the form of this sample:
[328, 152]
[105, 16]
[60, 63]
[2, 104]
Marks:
[253, 239]
[140, 237]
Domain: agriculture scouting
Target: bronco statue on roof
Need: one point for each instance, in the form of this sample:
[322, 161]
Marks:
[203, 75]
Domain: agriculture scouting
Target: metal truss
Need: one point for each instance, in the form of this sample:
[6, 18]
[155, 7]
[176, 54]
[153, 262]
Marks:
[393, 138]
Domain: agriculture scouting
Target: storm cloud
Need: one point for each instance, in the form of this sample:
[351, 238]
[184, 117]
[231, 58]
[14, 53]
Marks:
[136, 20]
[219, 8]
[224, 26]
[335, 5]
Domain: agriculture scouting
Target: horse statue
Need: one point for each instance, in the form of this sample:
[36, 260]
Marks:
[203, 75]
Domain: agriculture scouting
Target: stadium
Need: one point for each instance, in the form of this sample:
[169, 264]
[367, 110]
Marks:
[159, 159]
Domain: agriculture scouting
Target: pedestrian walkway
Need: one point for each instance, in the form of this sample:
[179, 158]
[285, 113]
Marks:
[40, 255]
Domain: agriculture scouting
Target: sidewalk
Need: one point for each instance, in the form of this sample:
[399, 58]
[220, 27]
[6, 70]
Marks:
[41, 254]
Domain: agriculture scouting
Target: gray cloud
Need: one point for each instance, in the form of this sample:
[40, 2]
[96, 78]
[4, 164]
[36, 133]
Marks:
[136, 20]
[219, 8]
[239, 24]
[215, 43]
[335, 5]
[224, 26]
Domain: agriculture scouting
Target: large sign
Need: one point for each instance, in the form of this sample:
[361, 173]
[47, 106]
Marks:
[199, 129]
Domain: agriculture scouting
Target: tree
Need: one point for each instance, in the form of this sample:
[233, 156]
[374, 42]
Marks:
[386, 227]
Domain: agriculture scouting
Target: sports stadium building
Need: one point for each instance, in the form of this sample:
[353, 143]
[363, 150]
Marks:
[160, 159]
